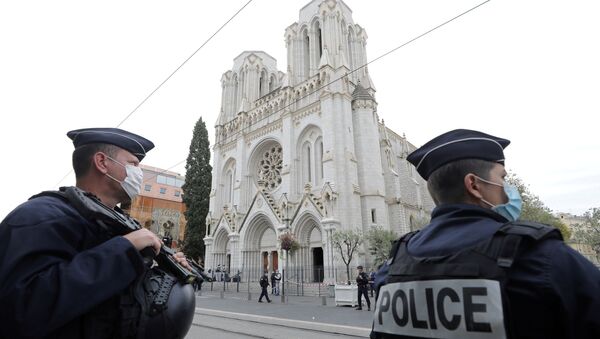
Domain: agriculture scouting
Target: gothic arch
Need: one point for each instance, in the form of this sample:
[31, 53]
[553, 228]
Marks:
[318, 44]
[305, 227]
[221, 240]
[228, 175]
[221, 249]
[260, 245]
[307, 147]
[308, 259]
[263, 83]
[272, 82]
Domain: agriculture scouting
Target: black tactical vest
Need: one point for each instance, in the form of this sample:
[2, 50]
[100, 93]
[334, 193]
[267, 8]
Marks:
[155, 305]
[462, 295]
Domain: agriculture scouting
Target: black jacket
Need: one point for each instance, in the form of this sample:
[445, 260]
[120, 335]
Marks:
[60, 275]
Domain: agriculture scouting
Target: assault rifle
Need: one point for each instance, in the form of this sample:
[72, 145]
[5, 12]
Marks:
[116, 223]
[199, 270]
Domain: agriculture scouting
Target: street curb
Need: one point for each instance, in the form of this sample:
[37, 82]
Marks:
[300, 324]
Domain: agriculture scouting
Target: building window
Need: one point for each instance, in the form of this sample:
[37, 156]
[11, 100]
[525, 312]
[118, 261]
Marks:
[148, 188]
[373, 216]
[163, 190]
[177, 193]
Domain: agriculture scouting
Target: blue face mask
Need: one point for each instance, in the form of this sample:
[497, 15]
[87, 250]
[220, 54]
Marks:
[512, 209]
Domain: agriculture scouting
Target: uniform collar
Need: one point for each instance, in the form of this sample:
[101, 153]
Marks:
[450, 211]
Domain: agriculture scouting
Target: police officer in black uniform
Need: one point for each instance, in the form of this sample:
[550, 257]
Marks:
[476, 271]
[362, 282]
[61, 276]
[264, 283]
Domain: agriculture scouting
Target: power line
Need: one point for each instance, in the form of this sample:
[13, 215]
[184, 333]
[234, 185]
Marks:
[361, 67]
[186, 60]
[169, 77]
[358, 68]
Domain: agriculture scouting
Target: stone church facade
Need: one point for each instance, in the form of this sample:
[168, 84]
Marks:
[304, 151]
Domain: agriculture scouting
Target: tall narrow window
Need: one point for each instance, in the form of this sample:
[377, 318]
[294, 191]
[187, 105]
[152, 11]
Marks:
[308, 166]
[306, 56]
[350, 56]
[231, 186]
[373, 216]
[234, 95]
[320, 44]
[318, 161]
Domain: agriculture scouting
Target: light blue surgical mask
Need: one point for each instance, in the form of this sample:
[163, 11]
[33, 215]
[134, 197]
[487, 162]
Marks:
[510, 210]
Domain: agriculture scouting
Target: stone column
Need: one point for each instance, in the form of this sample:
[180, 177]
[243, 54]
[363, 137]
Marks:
[208, 254]
[329, 225]
[234, 240]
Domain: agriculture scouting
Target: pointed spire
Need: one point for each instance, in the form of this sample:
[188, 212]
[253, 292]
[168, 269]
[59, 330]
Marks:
[244, 106]
[360, 93]
[343, 61]
[325, 59]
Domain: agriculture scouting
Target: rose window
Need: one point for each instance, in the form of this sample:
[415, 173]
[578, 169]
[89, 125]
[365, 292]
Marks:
[269, 167]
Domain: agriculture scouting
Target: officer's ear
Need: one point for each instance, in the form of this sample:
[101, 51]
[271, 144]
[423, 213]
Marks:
[473, 188]
[99, 162]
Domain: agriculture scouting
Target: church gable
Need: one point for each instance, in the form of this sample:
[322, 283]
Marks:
[310, 203]
[263, 203]
[226, 222]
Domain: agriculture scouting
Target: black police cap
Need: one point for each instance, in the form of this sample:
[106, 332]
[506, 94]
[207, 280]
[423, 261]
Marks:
[128, 141]
[457, 145]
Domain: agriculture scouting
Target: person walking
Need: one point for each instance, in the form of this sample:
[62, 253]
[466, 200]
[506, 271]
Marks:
[362, 281]
[264, 283]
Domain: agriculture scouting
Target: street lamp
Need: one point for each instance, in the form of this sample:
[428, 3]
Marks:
[286, 219]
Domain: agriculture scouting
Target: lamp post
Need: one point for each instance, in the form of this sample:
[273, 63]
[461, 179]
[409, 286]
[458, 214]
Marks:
[286, 219]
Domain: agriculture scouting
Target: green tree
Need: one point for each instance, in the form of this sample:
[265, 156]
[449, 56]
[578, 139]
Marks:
[591, 234]
[196, 191]
[346, 242]
[534, 209]
[380, 243]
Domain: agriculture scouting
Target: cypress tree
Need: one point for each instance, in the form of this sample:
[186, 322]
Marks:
[196, 191]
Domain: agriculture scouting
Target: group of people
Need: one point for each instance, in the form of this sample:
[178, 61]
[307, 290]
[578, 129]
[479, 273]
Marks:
[475, 270]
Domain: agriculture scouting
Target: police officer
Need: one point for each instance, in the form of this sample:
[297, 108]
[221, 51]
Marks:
[60, 275]
[476, 271]
[264, 283]
[362, 282]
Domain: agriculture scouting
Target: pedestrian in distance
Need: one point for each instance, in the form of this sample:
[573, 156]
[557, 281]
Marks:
[218, 270]
[65, 274]
[264, 283]
[476, 270]
[275, 279]
[372, 281]
[362, 281]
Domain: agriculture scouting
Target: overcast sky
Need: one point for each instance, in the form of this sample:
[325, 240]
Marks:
[527, 71]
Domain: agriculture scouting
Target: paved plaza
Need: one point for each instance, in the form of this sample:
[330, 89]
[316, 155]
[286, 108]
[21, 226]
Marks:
[234, 316]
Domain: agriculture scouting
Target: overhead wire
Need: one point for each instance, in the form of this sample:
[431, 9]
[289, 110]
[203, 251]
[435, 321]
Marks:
[323, 86]
[169, 77]
[186, 60]
[356, 69]
[363, 66]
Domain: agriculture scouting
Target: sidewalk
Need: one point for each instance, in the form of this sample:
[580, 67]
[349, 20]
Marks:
[297, 308]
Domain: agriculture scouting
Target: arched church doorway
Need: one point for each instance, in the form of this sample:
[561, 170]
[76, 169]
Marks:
[260, 248]
[318, 268]
[308, 260]
[222, 251]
